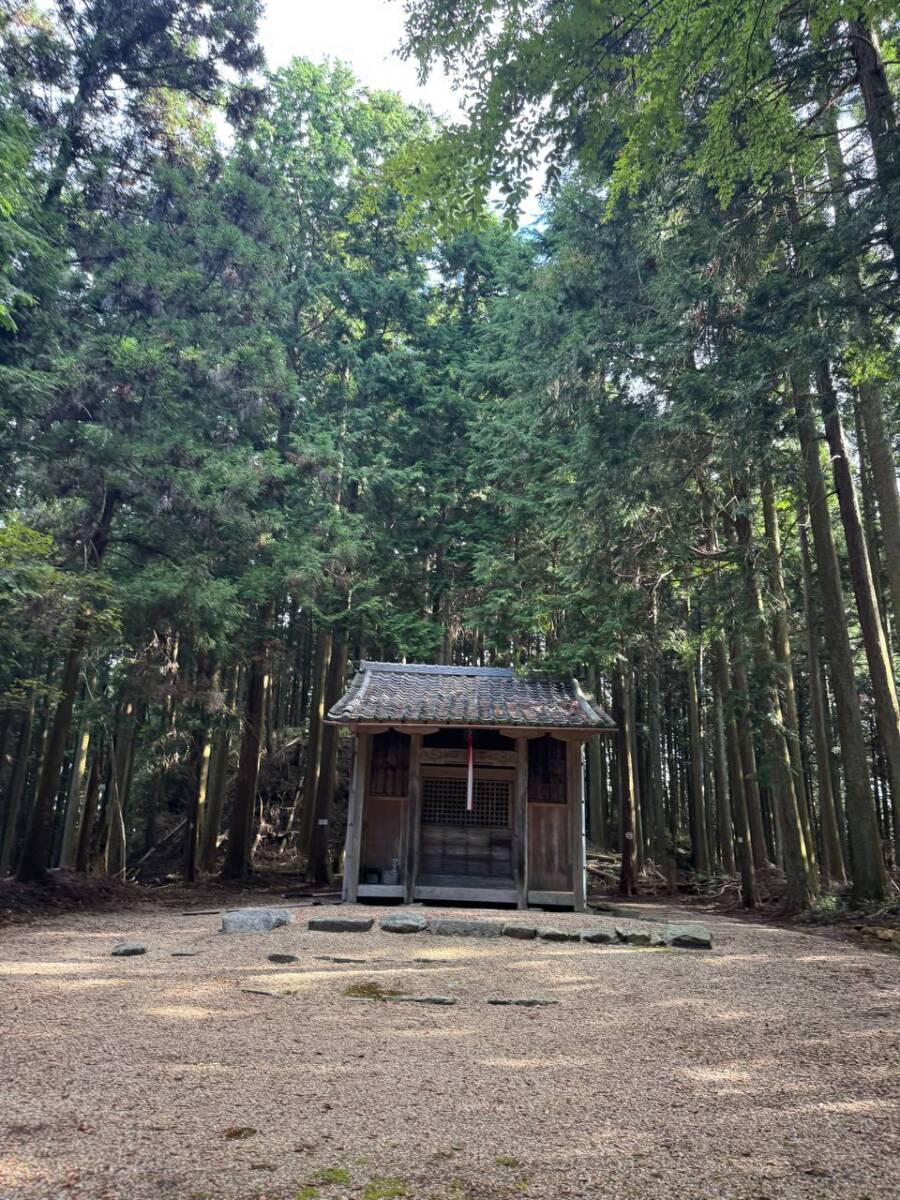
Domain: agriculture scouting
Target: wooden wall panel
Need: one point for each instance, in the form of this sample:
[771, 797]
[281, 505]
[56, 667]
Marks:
[549, 848]
[384, 820]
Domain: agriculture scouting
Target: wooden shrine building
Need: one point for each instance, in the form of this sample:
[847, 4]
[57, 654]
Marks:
[467, 785]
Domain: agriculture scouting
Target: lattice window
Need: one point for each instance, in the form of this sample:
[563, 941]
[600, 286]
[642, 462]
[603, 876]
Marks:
[444, 802]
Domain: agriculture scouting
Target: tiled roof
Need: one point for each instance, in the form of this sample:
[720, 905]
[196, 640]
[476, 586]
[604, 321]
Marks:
[416, 694]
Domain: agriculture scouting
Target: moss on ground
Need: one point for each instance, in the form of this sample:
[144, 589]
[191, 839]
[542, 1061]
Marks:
[370, 989]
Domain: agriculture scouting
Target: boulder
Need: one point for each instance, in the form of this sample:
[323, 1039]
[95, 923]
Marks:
[340, 924]
[128, 949]
[688, 937]
[404, 922]
[549, 933]
[598, 937]
[524, 933]
[255, 920]
[450, 927]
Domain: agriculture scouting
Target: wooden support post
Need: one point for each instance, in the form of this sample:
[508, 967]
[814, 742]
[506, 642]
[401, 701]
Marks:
[520, 824]
[576, 823]
[353, 843]
[413, 815]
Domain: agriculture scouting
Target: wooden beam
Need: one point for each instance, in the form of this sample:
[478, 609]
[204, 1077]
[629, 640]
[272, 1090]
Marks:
[353, 842]
[576, 823]
[554, 899]
[413, 816]
[474, 895]
[520, 824]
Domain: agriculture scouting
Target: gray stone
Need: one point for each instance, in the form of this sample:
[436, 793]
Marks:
[632, 937]
[526, 1002]
[283, 958]
[340, 924]
[185, 953]
[128, 949]
[404, 922]
[598, 937]
[688, 937]
[426, 999]
[631, 912]
[549, 933]
[338, 958]
[523, 932]
[449, 927]
[255, 920]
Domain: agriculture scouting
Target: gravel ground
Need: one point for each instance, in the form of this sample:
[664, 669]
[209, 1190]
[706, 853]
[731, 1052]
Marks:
[767, 1068]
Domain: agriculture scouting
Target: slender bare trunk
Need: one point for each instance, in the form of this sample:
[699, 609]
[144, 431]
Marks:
[867, 868]
[832, 854]
[318, 869]
[874, 641]
[237, 856]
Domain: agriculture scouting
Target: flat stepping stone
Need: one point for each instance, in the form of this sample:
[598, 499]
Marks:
[128, 949]
[340, 924]
[632, 937]
[255, 920]
[185, 953]
[598, 937]
[524, 933]
[451, 927]
[404, 922]
[524, 1002]
[339, 958]
[548, 933]
[440, 1000]
[283, 958]
[688, 937]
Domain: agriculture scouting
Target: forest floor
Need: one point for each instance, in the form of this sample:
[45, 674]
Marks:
[765, 1068]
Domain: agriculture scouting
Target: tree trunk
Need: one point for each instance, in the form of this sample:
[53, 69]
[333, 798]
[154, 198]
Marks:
[34, 857]
[725, 854]
[237, 855]
[10, 831]
[699, 843]
[801, 882]
[781, 646]
[596, 807]
[321, 662]
[121, 748]
[881, 123]
[74, 804]
[874, 641]
[91, 796]
[884, 484]
[832, 854]
[623, 710]
[869, 879]
[749, 770]
[739, 816]
[318, 868]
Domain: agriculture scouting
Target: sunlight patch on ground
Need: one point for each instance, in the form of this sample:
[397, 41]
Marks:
[43, 968]
[187, 1012]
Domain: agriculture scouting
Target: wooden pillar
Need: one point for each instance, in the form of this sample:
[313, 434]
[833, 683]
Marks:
[576, 821]
[520, 824]
[413, 815]
[353, 843]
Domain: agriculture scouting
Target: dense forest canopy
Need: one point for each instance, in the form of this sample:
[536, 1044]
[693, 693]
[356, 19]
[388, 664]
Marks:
[277, 400]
